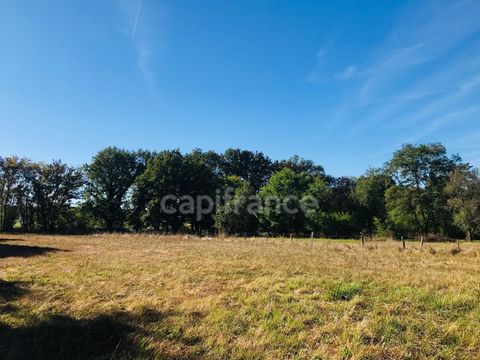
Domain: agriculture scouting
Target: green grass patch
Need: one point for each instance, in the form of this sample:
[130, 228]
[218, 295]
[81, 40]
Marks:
[342, 291]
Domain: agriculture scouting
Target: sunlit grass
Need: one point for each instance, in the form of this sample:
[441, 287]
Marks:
[141, 296]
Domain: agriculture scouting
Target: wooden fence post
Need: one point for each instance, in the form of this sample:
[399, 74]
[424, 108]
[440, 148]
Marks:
[403, 243]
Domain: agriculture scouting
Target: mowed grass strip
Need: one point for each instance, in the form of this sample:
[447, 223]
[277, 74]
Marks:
[152, 297]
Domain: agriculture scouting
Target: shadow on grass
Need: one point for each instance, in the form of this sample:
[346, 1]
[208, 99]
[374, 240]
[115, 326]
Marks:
[10, 239]
[10, 290]
[10, 250]
[119, 335]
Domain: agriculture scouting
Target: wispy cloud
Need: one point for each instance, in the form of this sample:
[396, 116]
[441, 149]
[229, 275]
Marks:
[348, 73]
[421, 77]
[318, 74]
[468, 86]
[468, 145]
[446, 119]
[384, 72]
[137, 14]
[438, 28]
[467, 141]
[424, 99]
[459, 116]
[145, 36]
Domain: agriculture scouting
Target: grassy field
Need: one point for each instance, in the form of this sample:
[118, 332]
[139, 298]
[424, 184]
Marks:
[152, 297]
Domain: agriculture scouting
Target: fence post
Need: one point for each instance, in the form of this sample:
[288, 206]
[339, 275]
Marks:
[363, 240]
[421, 241]
[403, 243]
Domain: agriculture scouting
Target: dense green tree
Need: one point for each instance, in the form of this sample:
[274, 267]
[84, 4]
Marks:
[238, 214]
[340, 224]
[253, 167]
[199, 183]
[231, 183]
[463, 189]
[403, 215]
[55, 187]
[300, 165]
[24, 195]
[110, 176]
[342, 199]
[174, 189]
[9, 169]
[212, 159]
[320, 193]
[370, 195]
[16, 177]
[281, 210]
[422, 173]
[345, 218]
[162, 177]
[421, 190]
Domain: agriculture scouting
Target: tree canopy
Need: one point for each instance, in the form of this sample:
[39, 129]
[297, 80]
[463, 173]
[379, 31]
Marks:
[421, 190]
[110, 176]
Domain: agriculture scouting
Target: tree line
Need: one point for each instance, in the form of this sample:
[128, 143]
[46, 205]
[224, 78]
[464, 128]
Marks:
[422, 190]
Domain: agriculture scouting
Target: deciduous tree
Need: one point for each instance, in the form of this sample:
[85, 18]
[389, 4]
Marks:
[253, 167]
[55, 187]
[463, 189]
[422, 173]
[110, 176]
[281, 210]
[238, 214]
[370, 194]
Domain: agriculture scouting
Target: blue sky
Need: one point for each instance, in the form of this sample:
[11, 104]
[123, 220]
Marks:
[344, 83]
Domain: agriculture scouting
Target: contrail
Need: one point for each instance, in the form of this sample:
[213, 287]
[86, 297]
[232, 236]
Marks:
[139, 6]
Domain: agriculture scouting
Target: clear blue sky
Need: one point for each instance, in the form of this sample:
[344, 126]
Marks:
[344, 83]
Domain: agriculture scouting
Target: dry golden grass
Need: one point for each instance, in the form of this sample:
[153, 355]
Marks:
[143, 297]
